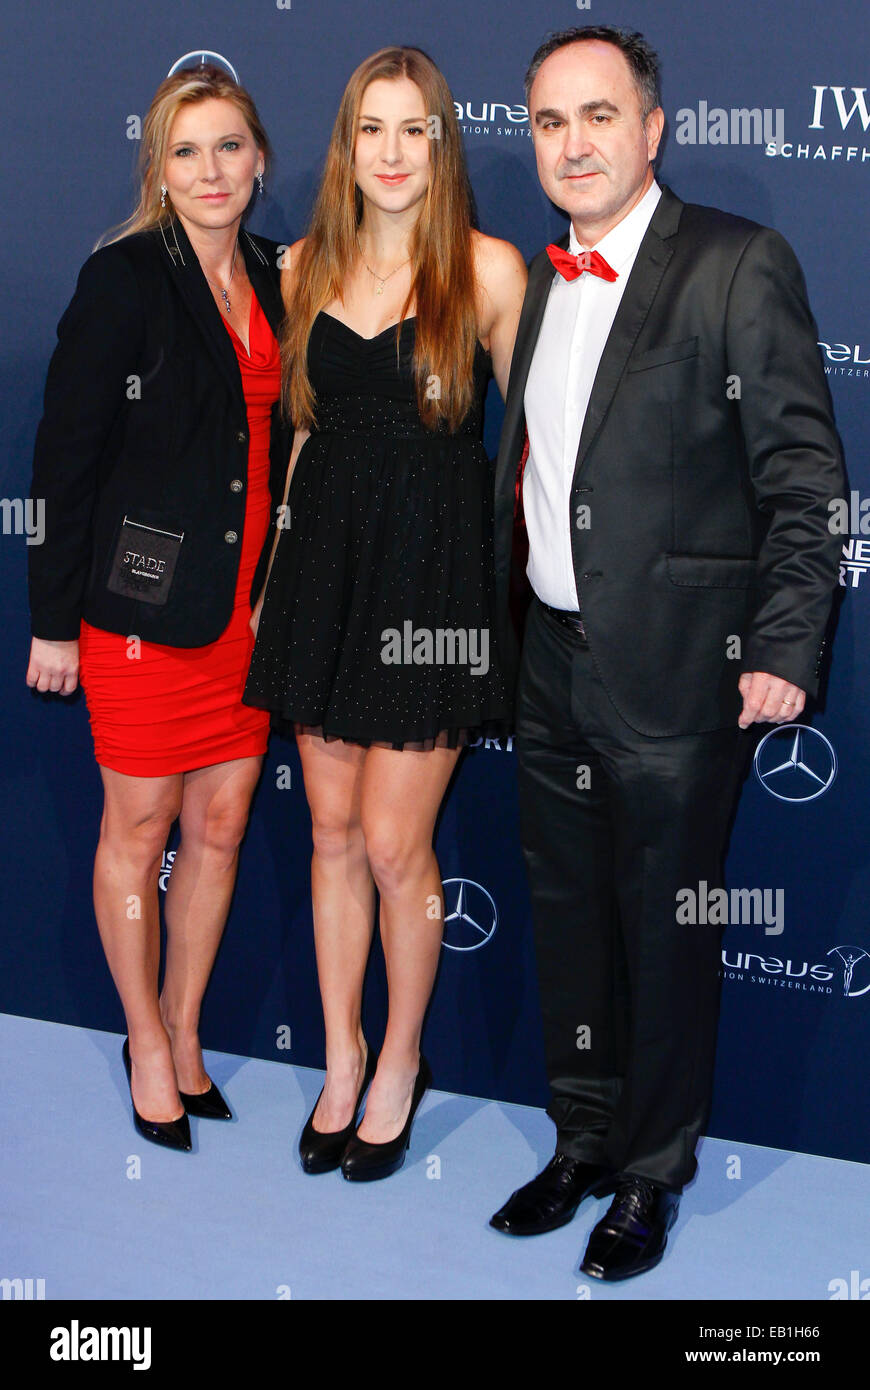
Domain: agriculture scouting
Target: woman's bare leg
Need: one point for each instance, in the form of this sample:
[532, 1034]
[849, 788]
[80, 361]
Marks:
[401, 794]
[138, 813]
[342, 895]
[215, 805]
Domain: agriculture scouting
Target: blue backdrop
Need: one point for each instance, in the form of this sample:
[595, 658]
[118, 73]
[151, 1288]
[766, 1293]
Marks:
[796, 1006]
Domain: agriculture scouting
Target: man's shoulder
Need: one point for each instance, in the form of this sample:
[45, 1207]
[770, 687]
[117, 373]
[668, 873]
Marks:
[699, 227]
[727, 233]
[691, 221]
[714, 224]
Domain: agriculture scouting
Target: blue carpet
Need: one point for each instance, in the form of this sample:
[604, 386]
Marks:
[238, 1219]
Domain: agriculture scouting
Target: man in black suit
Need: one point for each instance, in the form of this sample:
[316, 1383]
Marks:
[679, 459]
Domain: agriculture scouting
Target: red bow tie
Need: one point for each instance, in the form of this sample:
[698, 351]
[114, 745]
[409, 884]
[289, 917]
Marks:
[571, 266]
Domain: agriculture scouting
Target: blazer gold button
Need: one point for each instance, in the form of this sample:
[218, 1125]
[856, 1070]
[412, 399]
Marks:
[230, 537]
[241, 437]
[236, 485]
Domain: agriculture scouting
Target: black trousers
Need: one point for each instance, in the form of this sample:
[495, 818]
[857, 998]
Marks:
[613, 825]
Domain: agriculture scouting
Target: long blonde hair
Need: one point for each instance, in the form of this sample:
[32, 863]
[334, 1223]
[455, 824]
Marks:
[183, 88]
[443, 282]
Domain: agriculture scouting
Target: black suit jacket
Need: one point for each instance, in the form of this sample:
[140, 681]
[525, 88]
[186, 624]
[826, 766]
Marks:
[707, 457]
[144, 416]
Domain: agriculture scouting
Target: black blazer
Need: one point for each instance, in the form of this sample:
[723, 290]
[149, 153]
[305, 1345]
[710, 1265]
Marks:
[144, 416]
[708, 513]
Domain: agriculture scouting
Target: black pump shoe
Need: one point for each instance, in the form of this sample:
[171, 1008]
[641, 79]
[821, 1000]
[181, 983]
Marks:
[207, 1105]
[364, 1162]
[172, 1134]
[321, 1152]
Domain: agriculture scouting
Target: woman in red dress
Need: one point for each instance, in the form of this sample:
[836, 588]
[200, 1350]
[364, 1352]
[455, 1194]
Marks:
[171, 735]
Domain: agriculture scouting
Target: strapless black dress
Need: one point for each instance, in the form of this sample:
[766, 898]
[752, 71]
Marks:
[377, 625]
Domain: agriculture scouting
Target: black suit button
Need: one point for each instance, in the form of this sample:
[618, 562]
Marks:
[593, 574]
[230, 537]
[236, 485]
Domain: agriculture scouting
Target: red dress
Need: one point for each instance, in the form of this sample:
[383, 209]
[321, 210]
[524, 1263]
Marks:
[172, 709]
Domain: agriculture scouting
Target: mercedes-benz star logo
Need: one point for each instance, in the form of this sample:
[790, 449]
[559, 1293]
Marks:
[473, 918]
[795, 763]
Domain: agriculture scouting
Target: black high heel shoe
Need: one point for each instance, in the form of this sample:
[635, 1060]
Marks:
[172, 1134]
[320, 1153]
[207, 1105]
[364, 1162]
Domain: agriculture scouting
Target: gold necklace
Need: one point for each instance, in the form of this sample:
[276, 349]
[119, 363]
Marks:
[383, 278]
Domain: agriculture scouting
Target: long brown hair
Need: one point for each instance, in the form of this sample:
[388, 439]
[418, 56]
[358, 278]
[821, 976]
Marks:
[442, 283]
[183, 88]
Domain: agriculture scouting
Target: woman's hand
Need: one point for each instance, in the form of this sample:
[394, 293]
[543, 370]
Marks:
[53, 666]
[299, 439]
[254, 621]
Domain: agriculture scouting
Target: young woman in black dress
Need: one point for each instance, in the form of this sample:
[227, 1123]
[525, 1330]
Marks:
[375, 638]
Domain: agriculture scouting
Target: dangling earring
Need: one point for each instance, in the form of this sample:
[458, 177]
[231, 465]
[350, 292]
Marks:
[260, 180]
[163, 192]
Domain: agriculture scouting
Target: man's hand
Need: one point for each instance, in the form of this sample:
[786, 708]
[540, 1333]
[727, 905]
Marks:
[53, 666]
[768, 699]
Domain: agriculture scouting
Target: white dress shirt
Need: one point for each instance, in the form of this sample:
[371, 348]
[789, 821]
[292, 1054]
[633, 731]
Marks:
[575, 327]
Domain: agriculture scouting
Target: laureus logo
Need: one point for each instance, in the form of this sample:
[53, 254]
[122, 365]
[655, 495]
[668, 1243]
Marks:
[492, 118]
[856, 969]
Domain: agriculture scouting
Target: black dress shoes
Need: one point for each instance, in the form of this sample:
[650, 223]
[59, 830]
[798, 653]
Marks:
[172, 1134]
[320, 1153]
[208, 1105]
[632, 1236]
[551, 1199]
[364, 1162]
